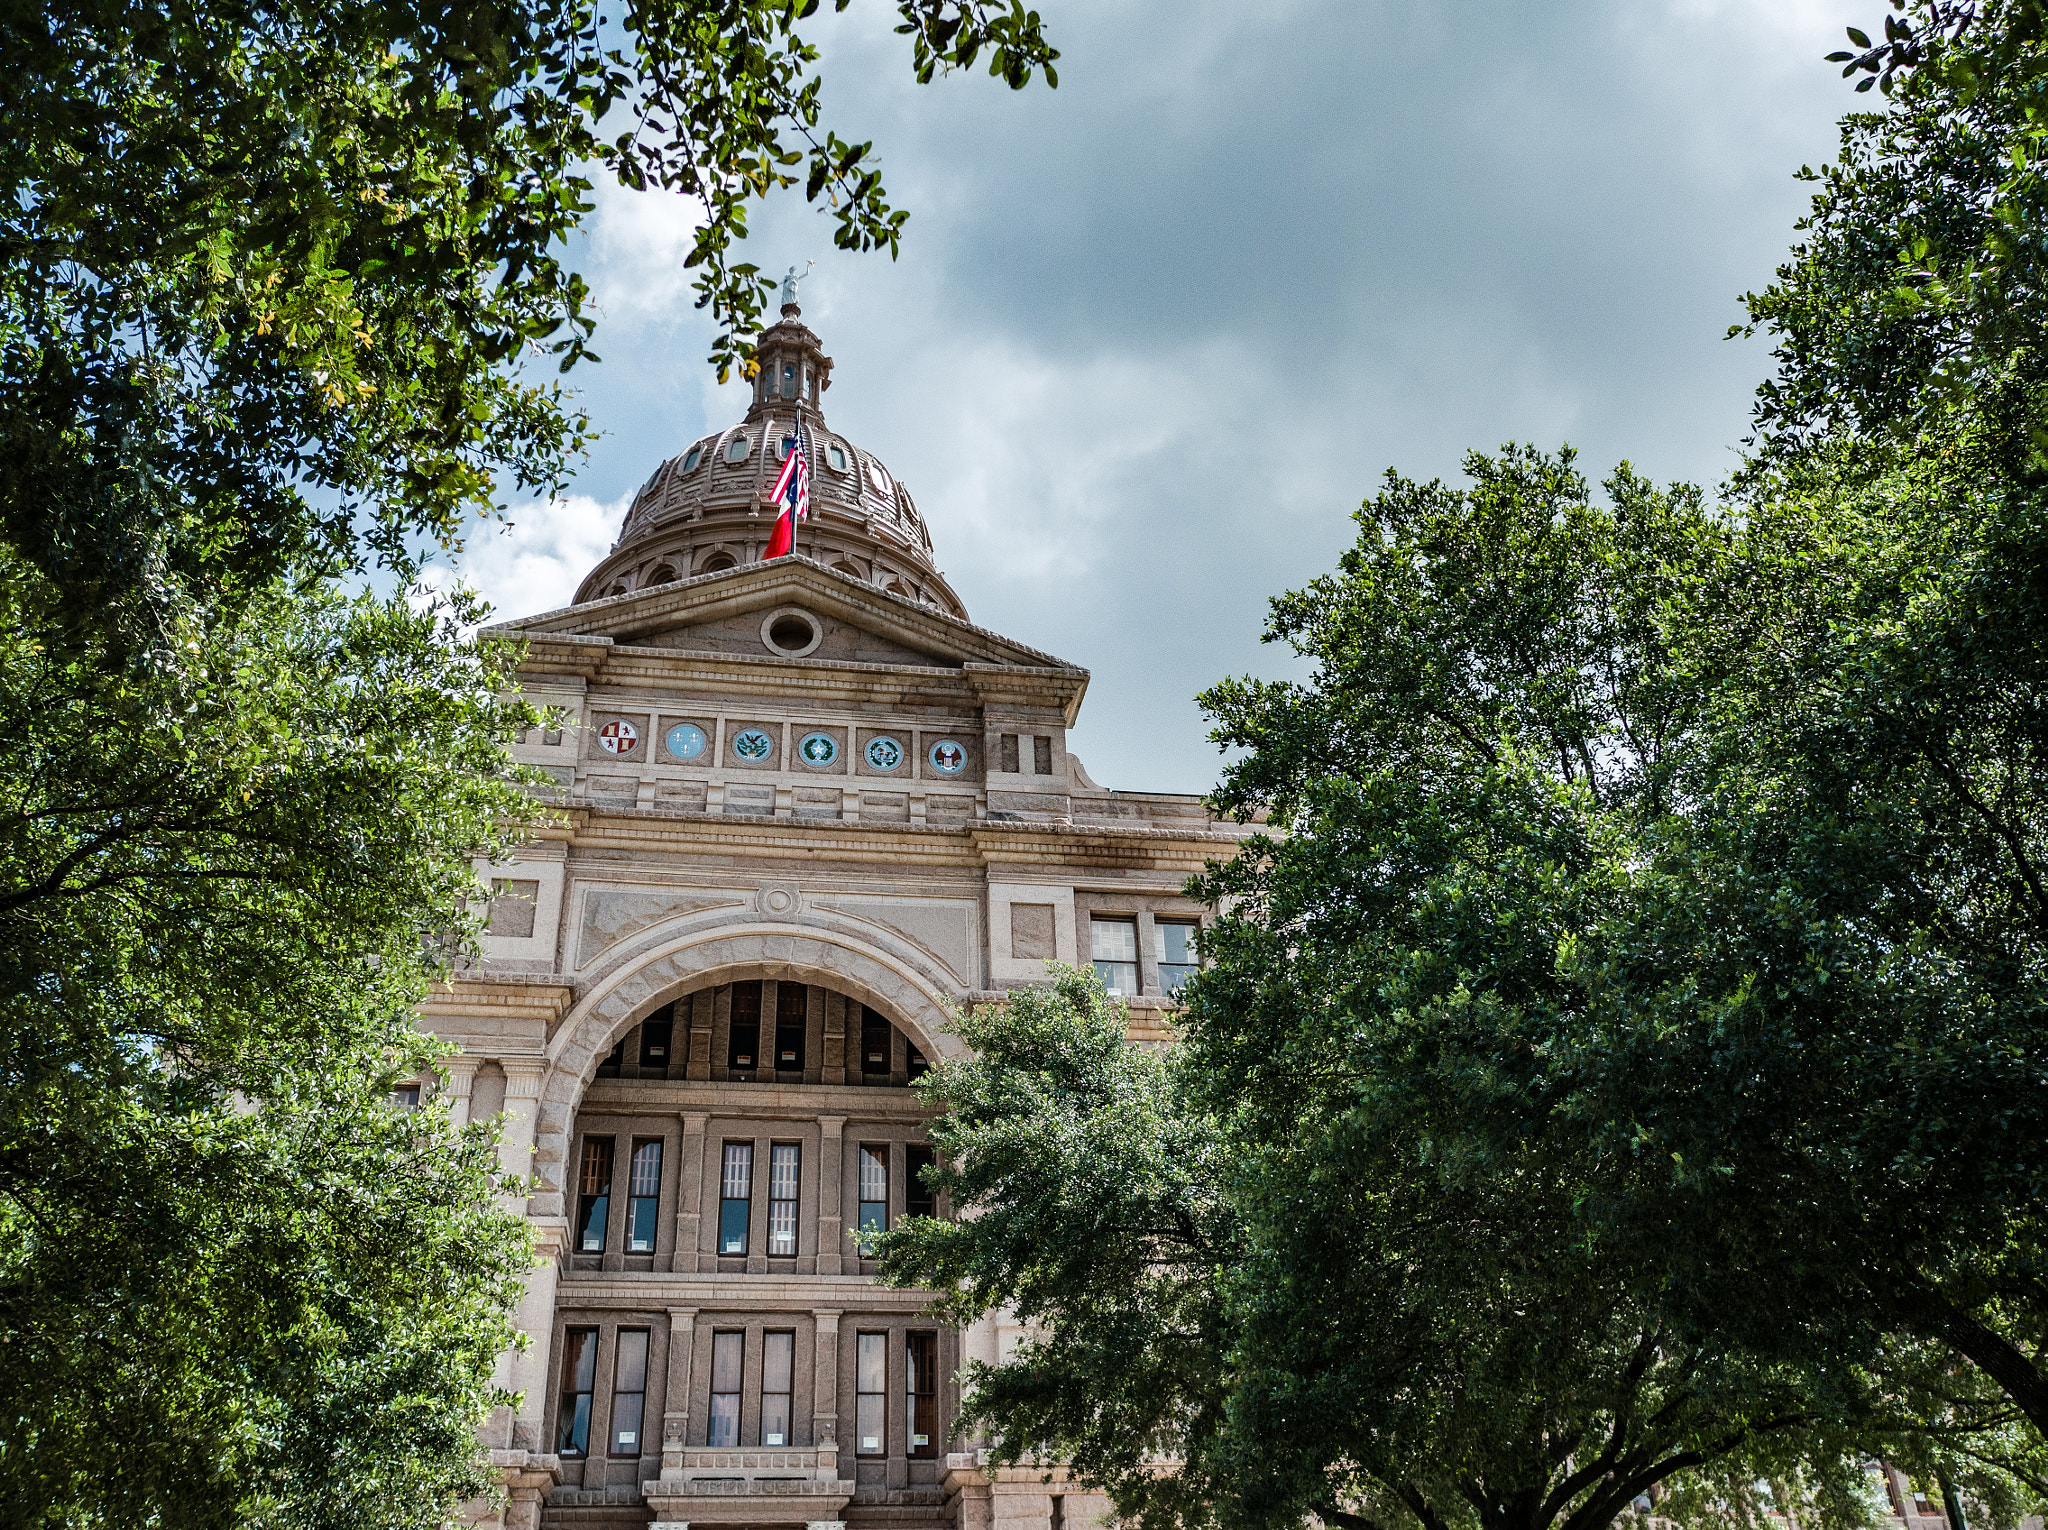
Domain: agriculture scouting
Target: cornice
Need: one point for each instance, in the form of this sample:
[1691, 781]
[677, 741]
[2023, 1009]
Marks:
[541, 996]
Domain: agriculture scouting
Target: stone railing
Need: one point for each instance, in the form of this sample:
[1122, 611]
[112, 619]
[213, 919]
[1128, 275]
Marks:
[750, 1485]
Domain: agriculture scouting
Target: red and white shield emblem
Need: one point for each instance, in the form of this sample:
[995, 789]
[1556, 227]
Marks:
[618, 737]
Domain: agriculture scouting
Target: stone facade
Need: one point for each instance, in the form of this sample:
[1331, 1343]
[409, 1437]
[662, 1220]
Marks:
[806, 809]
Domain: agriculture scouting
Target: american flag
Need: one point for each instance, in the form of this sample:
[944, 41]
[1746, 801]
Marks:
[792, 492]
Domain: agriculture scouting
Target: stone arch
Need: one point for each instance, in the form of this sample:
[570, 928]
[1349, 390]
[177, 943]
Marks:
[717, 561]
[634, 990]
[662, 575]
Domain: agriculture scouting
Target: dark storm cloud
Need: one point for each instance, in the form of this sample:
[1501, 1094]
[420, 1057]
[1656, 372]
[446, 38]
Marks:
[1155, 335]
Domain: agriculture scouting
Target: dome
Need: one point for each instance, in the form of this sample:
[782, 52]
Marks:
[708, 507]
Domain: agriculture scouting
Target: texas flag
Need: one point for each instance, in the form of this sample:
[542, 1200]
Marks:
[792, 492]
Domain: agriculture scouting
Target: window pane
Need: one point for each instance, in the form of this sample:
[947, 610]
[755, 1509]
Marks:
[867, 1424]
[1176, 944]
[1118, 977]
[918, 1201]
[732, 1227]
[782, 1167]
[874, 1042]
[727, 1352]
[871, 1370]
[725, 1418]
[641, 1231]
[778, 1354]
[575, 1430]
[626, 1423]
[655, 1036]
[597, 1166]
[874, 1174]
[581, 1365]
[775, 1418]
[632, 1366]
[738, 1179]
[647, 1168]
[1115, 940]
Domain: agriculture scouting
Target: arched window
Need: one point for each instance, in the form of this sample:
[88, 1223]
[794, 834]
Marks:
[662, 575]
[715, 562]
[618, 587]
[895, 587]
[843, 567]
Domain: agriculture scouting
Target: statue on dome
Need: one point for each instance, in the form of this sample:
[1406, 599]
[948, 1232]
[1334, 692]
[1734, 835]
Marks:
[789, 283]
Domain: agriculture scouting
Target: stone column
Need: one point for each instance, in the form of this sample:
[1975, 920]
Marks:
[461, 1073]
[689, 1195]
[832, 1064]
[825, 1380]
[527, 1371]
[831, 1195]
[523, 1076]
[675, 1418]
[698, 1048]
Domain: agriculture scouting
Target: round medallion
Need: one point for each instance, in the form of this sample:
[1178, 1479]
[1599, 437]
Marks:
[752, 744]
[777, 901]
[884, 753]
[819, 749]
[618, 737]
[685, 741]
[947, 757]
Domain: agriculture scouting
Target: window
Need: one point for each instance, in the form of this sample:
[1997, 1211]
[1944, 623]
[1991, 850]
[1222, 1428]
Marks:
[778, 1354]
[835, 457]
[789, 379]
[715, 562]
[646, 1201]
[735, 1197]
[728, 1351]
[918, 1199]
[692, 457]
[790, 1004]
[870, 1384]
[914, 1065]
[629, 1391]
[743, 1047]
[613, 1059]
[655, 1035]
[921, 1402]
[406, 1097]
[1177, 961]
[1115, 949]
[1010, 753]
[874, 1042]
[579, 1373]
[737, 448]
[874, 1195]
[1041, 756]
[784, 1160]
[596, 1199]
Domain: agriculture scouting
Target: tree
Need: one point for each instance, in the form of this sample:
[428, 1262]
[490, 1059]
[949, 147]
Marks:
[273, 274]
[236, 1287]
[1234, 1327]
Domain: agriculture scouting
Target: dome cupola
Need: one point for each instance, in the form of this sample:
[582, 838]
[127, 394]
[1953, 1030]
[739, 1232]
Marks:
[708, 508]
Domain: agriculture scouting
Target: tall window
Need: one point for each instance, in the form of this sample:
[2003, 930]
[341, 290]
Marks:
[579, 1373]
[922, 1394]
[613, 1061]
[596, 1199]
[874, 1042]
[728, 1352]
[743, 1047]
[790, 1002]
[874, 1194]
[646, 1188]
[1041, 756]
[1115, 943]
[1176, 953]
[629, 1391]
[870, 1387]
[735, 1197]
[656, 1032]
[784, 1161]
[914, 1065]
[778, 1356]
[918, 1200]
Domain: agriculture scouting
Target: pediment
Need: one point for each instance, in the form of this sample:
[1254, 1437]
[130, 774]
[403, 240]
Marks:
[723, 614]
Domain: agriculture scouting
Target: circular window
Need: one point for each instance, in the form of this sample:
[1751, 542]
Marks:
[835, 457]
[947, 757]
[618, 737]
[752, 744]
[819, 749]
[884, 753]
[691, 458]
[685, 741]
[791, 632]
[737, 448]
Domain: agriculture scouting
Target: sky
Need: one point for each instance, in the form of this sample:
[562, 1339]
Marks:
[1156, 334]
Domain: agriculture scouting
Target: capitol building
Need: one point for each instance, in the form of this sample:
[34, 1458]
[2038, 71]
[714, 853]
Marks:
[806, 810]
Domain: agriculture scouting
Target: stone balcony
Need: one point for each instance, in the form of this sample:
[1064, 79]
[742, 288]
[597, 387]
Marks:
[714, 1485]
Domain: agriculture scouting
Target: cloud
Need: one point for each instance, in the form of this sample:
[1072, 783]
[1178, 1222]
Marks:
[534, 560]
